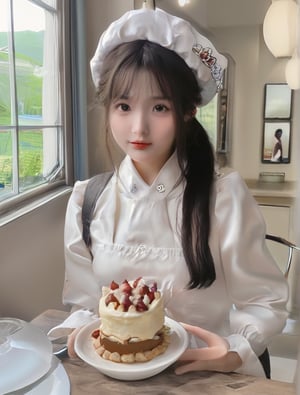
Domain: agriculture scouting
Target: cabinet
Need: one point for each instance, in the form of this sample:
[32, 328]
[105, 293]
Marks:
[277, 201]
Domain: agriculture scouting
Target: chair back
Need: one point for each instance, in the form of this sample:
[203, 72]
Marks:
[291, 248]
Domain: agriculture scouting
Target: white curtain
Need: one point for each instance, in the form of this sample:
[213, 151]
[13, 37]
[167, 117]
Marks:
[51, 96]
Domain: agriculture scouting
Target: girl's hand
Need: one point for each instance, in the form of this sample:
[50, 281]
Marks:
[214, 357]
[71, 341]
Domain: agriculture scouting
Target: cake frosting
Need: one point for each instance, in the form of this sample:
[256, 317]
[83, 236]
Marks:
[132, 322]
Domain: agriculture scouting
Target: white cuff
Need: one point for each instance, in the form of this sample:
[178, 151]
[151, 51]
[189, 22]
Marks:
[251, 364]
[75, 320]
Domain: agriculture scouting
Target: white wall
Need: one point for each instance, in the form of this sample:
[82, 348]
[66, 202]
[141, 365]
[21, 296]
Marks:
[32, 261]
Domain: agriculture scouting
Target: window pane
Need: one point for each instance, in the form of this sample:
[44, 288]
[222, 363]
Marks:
[40, 156]
[36, 64]
[28, 16]
[30, 158]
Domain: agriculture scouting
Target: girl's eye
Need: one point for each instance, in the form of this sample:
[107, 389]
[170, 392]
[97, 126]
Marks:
[160, 108]
[123, 107]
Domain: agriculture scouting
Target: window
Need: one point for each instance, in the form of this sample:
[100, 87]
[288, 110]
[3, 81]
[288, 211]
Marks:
[216, 116]
[208, 117]
[33, 105]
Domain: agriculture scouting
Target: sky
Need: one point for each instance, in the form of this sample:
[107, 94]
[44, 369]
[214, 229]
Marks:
[27, 16]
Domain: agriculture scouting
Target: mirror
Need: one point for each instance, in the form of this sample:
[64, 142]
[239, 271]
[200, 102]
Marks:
[278, 101]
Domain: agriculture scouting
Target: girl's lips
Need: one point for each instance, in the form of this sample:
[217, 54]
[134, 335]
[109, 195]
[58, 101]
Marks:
[139, 145]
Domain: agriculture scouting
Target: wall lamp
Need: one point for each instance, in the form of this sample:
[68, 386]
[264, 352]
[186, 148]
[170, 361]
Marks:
[182, 3]
[281, 35]
[280, 27]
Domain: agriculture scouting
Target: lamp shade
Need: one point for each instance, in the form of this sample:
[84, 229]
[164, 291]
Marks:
[280, 27]
[292, 72]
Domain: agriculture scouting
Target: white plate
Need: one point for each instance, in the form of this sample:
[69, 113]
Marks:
[56, 384]
[137, 371]
[28, 359]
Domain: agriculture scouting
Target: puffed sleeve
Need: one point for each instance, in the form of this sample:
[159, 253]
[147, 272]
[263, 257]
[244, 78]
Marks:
[80, 287]
[81, 291]
[256, 285]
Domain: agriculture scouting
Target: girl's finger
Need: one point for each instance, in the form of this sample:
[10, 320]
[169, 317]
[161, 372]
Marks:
[204, 354]
[71, 342]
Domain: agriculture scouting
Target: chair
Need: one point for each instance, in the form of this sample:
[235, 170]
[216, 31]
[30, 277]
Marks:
[292, 326]
[291, 248]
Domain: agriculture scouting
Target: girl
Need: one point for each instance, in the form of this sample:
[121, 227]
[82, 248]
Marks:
[277, 150]
[166, 214]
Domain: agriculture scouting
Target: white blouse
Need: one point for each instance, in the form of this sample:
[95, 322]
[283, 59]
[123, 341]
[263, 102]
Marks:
[136, 232]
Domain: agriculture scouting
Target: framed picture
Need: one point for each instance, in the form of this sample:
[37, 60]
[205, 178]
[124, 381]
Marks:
[278, 101]
[276, 142]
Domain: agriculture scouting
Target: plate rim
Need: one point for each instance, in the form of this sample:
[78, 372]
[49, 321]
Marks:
[32, 331]
[123, 368]
[61, 382]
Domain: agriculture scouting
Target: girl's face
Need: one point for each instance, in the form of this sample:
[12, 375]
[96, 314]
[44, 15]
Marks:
[142, 123]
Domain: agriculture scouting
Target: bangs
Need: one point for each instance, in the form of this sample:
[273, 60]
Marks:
[125, 80]
[139, 61]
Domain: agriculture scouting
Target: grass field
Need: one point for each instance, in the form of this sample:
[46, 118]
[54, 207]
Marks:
[30, 156]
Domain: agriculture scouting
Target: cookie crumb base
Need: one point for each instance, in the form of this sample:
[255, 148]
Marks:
[144, 356]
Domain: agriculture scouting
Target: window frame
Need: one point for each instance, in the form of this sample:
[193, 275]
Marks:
[46, 191]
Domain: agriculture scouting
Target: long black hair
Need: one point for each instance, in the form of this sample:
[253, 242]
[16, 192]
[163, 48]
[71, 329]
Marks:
[195, 152]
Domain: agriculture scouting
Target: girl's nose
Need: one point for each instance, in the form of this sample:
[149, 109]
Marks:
[139, 124]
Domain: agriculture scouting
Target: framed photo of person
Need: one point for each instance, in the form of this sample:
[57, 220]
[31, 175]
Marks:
[276, 142]
[278, 101]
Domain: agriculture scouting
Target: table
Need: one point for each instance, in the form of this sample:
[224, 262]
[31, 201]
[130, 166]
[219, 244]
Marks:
[87, 380]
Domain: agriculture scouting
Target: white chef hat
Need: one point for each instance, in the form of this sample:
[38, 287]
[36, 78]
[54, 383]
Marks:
[171, 32]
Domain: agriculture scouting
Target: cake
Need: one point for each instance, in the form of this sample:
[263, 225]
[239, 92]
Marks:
[132, 322]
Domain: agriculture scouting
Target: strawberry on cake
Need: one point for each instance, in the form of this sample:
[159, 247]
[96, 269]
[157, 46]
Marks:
[132, 322]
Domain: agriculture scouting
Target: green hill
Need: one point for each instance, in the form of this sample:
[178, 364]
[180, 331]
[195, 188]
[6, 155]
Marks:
[28, 45]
